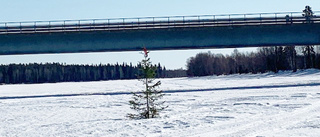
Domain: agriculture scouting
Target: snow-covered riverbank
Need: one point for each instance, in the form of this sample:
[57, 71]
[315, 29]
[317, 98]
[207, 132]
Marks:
[283, 104]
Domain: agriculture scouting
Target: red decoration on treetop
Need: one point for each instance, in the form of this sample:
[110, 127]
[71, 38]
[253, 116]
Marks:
[145, 52]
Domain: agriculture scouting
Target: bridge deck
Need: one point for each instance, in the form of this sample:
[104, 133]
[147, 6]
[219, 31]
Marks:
[156, 22]
[159, 33]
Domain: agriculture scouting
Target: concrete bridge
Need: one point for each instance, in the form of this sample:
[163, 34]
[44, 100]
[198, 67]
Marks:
[159, 33]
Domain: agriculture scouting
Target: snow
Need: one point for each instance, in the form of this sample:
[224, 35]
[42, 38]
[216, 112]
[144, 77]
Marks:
[268, 104]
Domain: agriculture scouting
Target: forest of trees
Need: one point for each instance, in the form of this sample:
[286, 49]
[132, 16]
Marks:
[56, 72]
[264, 60]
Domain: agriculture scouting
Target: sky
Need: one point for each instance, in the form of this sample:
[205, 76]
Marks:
[45, 10]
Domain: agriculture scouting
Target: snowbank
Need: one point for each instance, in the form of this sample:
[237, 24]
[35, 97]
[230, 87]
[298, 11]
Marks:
[269, 104]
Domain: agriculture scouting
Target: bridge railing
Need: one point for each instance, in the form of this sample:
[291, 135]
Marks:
[156, 22]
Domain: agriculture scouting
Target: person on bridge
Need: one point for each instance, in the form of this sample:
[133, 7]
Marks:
[308, 14]
[288, 19]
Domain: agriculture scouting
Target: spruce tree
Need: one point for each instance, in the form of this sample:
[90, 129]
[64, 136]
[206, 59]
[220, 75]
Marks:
[147, 103]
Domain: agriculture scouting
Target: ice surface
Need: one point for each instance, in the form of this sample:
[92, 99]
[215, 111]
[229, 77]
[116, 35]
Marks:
[283, 104]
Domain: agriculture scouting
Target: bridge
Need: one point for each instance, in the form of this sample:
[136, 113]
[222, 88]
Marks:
[159, 33]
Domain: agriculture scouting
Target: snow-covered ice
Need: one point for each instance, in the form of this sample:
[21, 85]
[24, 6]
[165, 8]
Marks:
[282, 104]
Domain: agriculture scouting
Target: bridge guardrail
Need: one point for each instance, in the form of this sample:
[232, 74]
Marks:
[156, 22]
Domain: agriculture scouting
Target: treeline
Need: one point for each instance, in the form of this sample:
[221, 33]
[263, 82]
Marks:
[56, 72]
[264, 60]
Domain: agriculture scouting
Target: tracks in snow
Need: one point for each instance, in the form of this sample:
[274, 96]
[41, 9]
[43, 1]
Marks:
[168, 91]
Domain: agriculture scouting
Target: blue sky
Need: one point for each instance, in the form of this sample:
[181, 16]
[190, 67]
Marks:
[43, 10]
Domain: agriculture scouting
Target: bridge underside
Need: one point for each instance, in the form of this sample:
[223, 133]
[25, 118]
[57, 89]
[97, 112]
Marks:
[161, 39]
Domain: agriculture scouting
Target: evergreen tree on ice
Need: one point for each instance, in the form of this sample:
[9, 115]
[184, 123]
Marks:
[147, 103]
